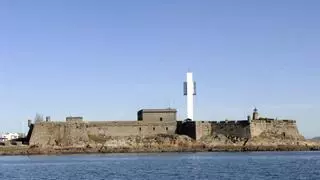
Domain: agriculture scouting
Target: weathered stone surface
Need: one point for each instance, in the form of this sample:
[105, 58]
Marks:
[78, 132]
[168, 143]
[59, 134]
[284, 129]
[139, 136]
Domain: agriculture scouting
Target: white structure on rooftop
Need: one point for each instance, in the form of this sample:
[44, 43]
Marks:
[189, 91]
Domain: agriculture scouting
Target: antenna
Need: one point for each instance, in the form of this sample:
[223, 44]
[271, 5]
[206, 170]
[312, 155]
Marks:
[169, 104]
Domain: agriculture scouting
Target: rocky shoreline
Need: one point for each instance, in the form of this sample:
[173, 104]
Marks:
[5, 151]
[166, 143]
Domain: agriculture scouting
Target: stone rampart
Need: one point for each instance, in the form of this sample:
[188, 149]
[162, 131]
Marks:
[238, 129]
[59, 134]
[278, 128]
[199, 129]
[186, 128]
[130, 128]
[72, 133]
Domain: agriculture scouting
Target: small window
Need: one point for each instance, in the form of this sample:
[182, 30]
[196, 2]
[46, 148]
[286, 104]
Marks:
[154, 128]
[167, 128]
[161, 119]
[139, 128]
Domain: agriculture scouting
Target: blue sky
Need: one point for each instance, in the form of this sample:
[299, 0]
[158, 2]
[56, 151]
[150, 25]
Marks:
[105, 60]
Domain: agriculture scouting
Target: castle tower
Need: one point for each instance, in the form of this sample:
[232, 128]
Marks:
[255, 115]
[189, 91]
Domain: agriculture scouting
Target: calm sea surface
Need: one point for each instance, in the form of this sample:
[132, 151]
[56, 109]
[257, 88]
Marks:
[257, 165]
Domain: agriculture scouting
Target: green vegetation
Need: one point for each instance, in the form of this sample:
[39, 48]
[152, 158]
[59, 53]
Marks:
[13, 150]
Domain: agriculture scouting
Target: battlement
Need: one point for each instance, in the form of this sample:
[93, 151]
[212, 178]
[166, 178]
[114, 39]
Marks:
[269, 120]
[246, 122]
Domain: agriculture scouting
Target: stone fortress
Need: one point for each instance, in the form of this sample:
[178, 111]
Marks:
[244, 129]
[150, 122]
[153, 122]
[75, 129]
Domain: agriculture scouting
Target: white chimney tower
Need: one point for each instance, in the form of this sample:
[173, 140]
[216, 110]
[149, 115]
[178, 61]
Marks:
[189, 91]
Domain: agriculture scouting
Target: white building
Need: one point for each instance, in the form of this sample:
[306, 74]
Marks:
[8, 136]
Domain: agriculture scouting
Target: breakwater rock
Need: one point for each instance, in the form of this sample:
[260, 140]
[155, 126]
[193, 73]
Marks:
[167, 143]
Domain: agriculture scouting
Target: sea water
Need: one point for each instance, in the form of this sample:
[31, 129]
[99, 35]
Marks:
[166, 166]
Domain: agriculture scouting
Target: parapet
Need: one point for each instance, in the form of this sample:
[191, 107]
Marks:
[269, 120]
[169, 110]
[243, 122]
[287, 121]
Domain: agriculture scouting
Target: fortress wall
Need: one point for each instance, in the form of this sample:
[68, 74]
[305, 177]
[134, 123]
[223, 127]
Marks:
[199, 129]
[130, 128]
[240, 129]
[43, 132]
[58, 133]
[246, 129]
[186, 128]
[72, 133]
[203, 128]
[279, 128]
[77, 132]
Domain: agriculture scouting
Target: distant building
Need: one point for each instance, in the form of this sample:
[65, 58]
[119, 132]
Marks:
[8, 136]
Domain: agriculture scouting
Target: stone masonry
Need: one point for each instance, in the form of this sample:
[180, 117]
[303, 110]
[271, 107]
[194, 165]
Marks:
[77, 131]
